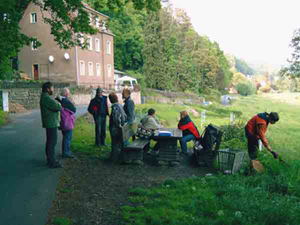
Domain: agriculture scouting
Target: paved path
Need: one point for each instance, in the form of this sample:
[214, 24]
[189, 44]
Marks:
[27, 185]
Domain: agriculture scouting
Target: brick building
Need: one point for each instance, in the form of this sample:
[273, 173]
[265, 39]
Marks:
[93, 66]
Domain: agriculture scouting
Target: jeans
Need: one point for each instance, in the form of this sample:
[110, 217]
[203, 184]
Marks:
[66, 143]
[184, 140]
[100, 130]
[51, 141]
[252, 145]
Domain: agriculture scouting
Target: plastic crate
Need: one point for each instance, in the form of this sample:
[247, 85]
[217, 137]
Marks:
[230, 161]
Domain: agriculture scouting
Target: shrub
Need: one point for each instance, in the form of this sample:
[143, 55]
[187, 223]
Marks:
[246, 89]
[265, 89]
[234, 136]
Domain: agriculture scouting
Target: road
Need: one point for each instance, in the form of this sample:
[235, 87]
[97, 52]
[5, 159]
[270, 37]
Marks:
[27, 186]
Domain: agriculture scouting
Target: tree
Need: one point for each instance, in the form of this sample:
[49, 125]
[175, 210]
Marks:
[242, 66]
[68, 18]
[294, 68]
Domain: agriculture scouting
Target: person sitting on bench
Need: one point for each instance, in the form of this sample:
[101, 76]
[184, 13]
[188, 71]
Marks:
[189, 131]
[150, 123]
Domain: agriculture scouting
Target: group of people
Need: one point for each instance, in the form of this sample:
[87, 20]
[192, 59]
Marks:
[59, 113]
[118, 116]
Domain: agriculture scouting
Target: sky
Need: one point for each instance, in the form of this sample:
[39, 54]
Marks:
[258, 31]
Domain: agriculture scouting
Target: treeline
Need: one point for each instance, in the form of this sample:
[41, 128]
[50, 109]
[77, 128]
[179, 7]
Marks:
[242, 67]
[163, 50]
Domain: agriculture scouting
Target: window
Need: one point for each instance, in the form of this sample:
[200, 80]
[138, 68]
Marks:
[91, 71]
[82, 68]
[33, 18]
[81, 38]
[109, 70]
[97, 22]
[97, 45]
[98, 69]
[34, 45]
[91, 18]
[108, 47]
[90, 43]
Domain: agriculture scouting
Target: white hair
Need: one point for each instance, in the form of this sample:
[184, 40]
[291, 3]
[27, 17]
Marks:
[65, 92]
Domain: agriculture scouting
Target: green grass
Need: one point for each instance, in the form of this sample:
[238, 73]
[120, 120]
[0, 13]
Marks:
[62, 221]
[3, 117]
[264, 199]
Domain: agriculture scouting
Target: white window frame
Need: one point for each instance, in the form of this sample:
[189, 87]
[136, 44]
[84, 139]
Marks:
[32, 18]
[109, 70]
[108, 47]
[33, 47]
[97, 45]
[90, 42]
[97, 22]
[82, 67]
[91, 18]
[81, 39]
[98, 69]
[91, 68]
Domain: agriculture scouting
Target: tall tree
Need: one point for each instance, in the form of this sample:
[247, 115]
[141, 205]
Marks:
[294, 68]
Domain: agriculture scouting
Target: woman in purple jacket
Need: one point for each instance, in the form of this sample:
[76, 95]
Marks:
[67, 122]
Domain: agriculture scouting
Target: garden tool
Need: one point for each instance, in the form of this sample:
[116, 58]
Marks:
[257, 166]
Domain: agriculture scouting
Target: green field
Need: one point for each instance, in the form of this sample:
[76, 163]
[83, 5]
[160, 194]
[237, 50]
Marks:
[269, 198]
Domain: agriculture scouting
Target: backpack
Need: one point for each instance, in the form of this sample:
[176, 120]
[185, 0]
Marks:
[206, 146]
[211, 137]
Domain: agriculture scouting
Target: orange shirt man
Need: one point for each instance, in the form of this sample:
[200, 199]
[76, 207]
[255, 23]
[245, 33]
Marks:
[256, 129]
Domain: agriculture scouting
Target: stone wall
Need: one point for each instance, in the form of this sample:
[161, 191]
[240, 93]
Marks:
[29, 97]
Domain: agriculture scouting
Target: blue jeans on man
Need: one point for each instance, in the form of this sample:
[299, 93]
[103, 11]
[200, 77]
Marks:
[100, 130]
[183, 142]
[66, 143]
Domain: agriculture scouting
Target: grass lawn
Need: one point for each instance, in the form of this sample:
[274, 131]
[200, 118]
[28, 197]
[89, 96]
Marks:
[269, 198]
[3, 118]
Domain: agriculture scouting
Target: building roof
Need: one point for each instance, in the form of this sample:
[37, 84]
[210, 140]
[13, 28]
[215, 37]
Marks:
[83, 3]
[93, 10]
[126, 78]
[119, 72]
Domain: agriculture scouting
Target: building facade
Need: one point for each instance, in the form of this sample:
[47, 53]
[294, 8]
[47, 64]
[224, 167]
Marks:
[93, 66]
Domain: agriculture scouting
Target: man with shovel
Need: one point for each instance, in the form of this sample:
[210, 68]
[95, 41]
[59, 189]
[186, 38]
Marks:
[256, 129]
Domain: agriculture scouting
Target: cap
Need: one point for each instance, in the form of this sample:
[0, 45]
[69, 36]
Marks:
[274, 116]
[98, 90]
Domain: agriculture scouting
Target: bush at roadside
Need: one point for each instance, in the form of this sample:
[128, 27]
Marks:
[3, 117]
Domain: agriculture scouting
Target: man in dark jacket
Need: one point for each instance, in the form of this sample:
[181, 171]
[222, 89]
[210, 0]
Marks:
[67, 122]
[50, 120]
[98, 107]
[189, 130]
[128, 106]
[129, 110]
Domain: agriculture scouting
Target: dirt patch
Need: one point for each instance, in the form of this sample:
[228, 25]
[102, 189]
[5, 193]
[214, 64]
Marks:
[16, 108]
[92, 191]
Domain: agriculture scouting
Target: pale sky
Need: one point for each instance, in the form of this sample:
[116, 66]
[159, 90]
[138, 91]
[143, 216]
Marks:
[254, 30]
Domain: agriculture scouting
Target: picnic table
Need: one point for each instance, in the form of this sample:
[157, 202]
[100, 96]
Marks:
[168, 144]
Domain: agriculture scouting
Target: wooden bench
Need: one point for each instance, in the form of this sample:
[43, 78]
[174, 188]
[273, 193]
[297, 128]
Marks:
[134, 151]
